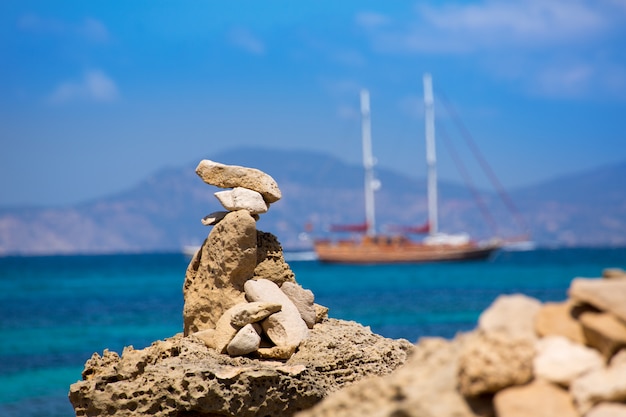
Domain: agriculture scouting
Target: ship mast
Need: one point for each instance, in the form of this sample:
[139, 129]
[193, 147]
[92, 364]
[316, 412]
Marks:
[368, 163]
[431, 158]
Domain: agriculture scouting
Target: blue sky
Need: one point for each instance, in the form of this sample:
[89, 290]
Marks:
[97, 95]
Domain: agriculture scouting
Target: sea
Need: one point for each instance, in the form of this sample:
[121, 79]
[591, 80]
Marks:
[56, 311]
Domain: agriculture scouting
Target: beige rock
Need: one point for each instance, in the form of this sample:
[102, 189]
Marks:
[537, 399]
[605, 294]
[276, 352]
[303, 300]
[230, 176]
[560, 361]
[489, 362]
[607, 410]
[271, 263]
[556, 319]
[214, 218]
[511, 315]
[247, 340]
[603, 385]
[180, 376]
[285, 328]
[321, 313]
[207, 336]
[424, 387]
[613, 273]
[224, 330]
[242, 199]
[604, 332]
[216, 274]
[247, 313]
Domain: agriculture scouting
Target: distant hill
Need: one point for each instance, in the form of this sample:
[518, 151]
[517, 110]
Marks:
[163, 212]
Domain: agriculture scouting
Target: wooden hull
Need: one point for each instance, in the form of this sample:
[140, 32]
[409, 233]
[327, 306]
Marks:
[382, 250]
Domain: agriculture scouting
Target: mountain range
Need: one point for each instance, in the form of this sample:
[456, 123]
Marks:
[163, 212]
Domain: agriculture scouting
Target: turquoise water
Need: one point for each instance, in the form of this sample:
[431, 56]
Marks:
[56, 311]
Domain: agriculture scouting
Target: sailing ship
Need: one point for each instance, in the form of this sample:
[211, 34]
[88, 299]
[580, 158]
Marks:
[374, 248]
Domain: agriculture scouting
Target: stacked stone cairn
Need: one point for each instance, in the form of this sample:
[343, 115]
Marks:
[254, 343]
[265, 311]
[558, 359]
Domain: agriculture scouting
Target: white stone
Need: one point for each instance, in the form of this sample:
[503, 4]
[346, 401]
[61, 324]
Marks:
[304, 301]
[285, 328]
[247, 340]
[561, 361]
[248, 313]
[607, 410]
[242, 199]
[603, 385]
[511, 315]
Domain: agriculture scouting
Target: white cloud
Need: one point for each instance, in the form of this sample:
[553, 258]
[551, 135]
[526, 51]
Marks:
[89, 28]
[95, 85]
[491, 25]
[371, 20]
[247, 41]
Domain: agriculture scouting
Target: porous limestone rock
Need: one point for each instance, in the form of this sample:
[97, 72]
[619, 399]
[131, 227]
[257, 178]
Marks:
[424, 387]
[271, 263]
[490, 362]
[181, 376]
[560, 361]
[303, 300]
[537, 399]
[284, 328]
[605, 294]
[556, 319]
[512, 315]
[242, 199]
[230, 176]
[216, 274]
[604, 332]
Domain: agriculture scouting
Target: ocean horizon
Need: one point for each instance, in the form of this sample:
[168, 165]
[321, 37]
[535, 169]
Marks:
[56, 311]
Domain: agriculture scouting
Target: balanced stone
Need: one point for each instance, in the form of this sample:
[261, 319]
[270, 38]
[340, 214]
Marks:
[246, 313]
[242, 199]
[214, 218]
[230, 176]
[247, 340]
[285, 328]
[303, 300]
[215, 276]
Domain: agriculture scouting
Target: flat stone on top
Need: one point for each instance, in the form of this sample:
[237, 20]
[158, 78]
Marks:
[242, 199]
[231, 176]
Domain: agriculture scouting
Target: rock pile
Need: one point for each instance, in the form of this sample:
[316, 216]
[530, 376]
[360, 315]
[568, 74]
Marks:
[238, 304]
[524, 359]
[254, 343]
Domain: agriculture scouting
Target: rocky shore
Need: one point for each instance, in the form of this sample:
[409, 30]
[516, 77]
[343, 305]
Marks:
[255, 343]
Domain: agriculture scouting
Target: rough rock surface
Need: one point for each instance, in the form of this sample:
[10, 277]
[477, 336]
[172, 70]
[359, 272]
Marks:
[490, 362]
[605, 294]
[230, 176]
[181, 376]
[424, 387]
[215, 278]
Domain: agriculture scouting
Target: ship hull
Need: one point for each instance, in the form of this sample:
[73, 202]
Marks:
[382, 251]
